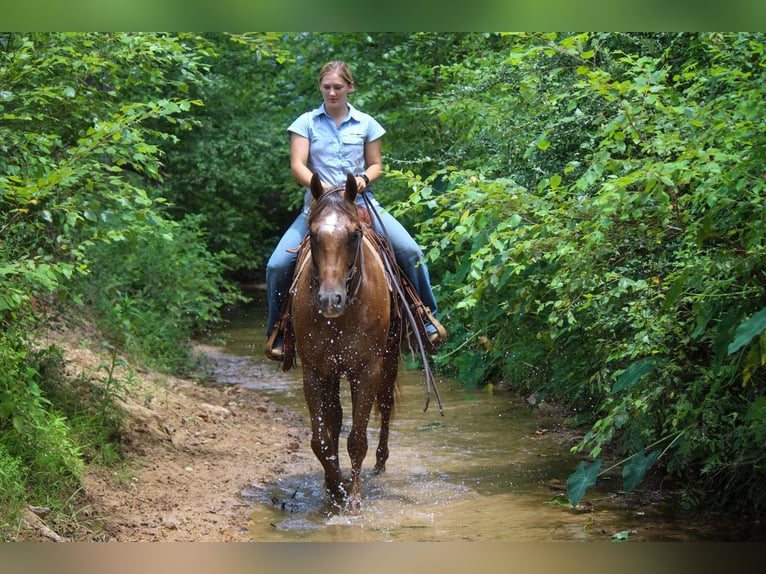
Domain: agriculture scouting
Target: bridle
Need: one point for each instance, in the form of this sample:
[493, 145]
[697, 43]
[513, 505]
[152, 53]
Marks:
[355, 272]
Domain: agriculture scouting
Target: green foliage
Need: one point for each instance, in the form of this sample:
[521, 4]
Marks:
[608, 251]
[79, 117]
[34, 438]
[154, 291]
[634, 472]
[580, 480]
[12, 485]
[753, 326]
[84, 119]
[234, 167]
[90, 403]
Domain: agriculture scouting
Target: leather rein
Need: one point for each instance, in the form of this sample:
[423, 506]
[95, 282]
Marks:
[430, 380]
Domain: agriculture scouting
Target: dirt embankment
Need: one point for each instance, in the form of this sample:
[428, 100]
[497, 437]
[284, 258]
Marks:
[192, 450]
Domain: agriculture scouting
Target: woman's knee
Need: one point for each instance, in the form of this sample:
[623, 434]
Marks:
[411, 254]
[280, 265]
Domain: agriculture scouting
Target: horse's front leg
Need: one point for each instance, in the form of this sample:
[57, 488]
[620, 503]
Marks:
[323, 400]
[362, 399]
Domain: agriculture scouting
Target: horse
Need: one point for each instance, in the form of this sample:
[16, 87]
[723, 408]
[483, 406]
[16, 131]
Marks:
[343, 317]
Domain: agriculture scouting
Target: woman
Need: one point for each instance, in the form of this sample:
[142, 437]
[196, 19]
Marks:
[334, 140]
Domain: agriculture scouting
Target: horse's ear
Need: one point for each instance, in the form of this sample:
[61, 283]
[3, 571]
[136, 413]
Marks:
[351, 188]
[316, 186]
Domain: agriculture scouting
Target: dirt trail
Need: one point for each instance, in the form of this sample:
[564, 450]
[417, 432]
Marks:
[192, 452]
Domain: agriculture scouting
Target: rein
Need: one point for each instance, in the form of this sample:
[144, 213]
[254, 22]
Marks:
[430, 381]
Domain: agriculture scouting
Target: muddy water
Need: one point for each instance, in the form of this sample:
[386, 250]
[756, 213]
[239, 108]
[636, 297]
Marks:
[490, 469]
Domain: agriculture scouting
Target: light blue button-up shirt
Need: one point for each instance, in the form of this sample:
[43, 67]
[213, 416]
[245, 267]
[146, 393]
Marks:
[334, 152]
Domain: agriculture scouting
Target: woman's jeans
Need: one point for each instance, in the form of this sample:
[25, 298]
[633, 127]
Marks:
[279, 269]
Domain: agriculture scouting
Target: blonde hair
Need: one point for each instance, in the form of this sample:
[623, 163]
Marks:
[337, 67]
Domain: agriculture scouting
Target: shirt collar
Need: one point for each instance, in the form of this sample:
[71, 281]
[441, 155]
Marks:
[353, 113]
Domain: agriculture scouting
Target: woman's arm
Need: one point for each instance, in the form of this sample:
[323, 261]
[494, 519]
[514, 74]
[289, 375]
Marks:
[299, 159]
[373, 159]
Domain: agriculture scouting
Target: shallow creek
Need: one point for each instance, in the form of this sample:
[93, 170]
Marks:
[491, 469]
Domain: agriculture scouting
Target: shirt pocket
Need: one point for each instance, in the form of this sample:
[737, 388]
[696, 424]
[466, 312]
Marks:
[353, 139]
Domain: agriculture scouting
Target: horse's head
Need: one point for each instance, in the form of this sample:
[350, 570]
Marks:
[336, 245]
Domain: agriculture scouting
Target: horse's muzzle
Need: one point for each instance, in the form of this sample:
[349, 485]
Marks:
[331, 302]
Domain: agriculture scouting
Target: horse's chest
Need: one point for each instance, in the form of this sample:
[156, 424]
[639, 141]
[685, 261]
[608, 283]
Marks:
[341, 344]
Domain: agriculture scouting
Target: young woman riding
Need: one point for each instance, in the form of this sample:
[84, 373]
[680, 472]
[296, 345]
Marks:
[334, 140]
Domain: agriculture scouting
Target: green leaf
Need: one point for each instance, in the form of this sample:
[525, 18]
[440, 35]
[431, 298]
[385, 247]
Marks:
[757, 410]
[747, 330]
[620, 536]
[633, 472]
[675, 290]
[18, 424]
[560, 499]
[579, 481]
[634, 373]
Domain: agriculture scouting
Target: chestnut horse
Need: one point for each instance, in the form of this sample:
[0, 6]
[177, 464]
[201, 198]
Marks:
[342, 318]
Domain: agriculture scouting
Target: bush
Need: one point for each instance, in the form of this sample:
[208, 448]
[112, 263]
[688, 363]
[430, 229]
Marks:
[153, 292]
[12, 483]
[618, 272]
[32, 434]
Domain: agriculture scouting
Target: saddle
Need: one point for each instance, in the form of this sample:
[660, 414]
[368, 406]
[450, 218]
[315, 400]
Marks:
[402, 327]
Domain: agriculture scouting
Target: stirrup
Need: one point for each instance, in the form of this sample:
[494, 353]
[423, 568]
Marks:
[438, 337]
[435, 338]
[273, 350]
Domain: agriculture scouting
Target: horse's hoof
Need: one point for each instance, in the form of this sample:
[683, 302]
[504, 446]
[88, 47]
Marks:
[338, 495]
[354, 507]
[379, 469]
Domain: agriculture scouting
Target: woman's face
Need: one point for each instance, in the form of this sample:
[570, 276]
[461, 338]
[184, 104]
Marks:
[335, 91]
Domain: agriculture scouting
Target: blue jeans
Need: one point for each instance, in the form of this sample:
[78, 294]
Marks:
[409, 256]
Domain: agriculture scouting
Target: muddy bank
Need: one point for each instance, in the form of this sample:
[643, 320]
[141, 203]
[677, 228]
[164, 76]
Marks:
[192, 451]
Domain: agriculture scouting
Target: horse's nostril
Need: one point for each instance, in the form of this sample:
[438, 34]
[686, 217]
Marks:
[331, 302]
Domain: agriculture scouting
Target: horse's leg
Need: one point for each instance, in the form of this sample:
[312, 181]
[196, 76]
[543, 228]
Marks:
[386, 399]
[334, 417]
[326, 414]
[386, 406]
[362, 400]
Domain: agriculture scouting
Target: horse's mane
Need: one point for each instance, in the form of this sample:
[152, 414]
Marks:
[333, 200]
